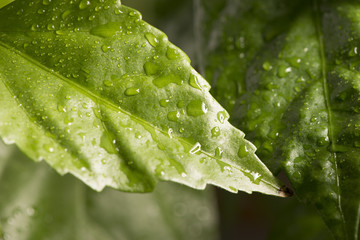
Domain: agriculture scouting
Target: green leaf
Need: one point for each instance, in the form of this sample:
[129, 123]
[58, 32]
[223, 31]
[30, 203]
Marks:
[300, 103]
[97, 92]
[37, 203]
[3, 3]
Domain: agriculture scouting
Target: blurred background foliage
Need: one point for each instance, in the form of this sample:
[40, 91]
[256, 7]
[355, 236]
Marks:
[37, 203]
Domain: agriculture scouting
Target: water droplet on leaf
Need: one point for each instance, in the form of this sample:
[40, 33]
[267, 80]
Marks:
[243, 151]
[84, 4]
[106, 142]
[108, 83]
[105, 48]
[132, 91]
[267, 66]
[222, 116]
[172, 53]
[152, 39]
[151, 68]
[163, 81]
[215, 131]
[218, 152]
[194, 82]
[196, 148]
[164, 102]
[196, 108]
[173, 116]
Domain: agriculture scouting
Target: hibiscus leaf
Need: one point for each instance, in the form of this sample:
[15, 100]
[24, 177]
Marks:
[97, 92]
[299, 102]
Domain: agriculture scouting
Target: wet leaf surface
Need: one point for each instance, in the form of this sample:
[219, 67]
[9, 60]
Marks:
[298, 95]
[95, 91]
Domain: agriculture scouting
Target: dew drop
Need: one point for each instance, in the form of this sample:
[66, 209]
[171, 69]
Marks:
[164, 102]
[243, 151]
[108, 83]
[267, 66]
[132, 91]
[215, 131]
[46, 2]
[221, 116]
[323, 141]
[218, 152]
[34, 27]
[50, 27]
[49, 148]
[180, 104]
[41, 11]
[106, 30]
[105, 48]
[196, 108]
[173, 116]
[151, 68]
[61, 108]
[233, 189]
[283, 71]
[60, 32]
[194, 82]
[68, 120]
[172, 53]
[295, 62]
[84, 4]
[152, 39]
[132, 14]
[196, 148]
[170, 133]
[163, 81]
[117, 11]
[107, 143]
[97, 113]
[353, 52]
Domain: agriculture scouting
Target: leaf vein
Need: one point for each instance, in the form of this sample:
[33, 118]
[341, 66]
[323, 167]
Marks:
[328, 105]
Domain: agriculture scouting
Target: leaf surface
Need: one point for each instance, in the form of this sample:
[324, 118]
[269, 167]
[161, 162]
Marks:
[99, 93]
[37, 203]
[300, 100]
[3, 3]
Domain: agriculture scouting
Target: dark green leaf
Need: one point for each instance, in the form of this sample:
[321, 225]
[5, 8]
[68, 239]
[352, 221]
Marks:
[99, 93]
[37, 203]
[299, 100]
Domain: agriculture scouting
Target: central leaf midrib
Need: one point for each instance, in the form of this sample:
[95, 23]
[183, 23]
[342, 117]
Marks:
[318, 26]
[111, 105]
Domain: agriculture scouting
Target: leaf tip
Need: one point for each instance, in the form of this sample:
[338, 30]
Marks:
[285, 192]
